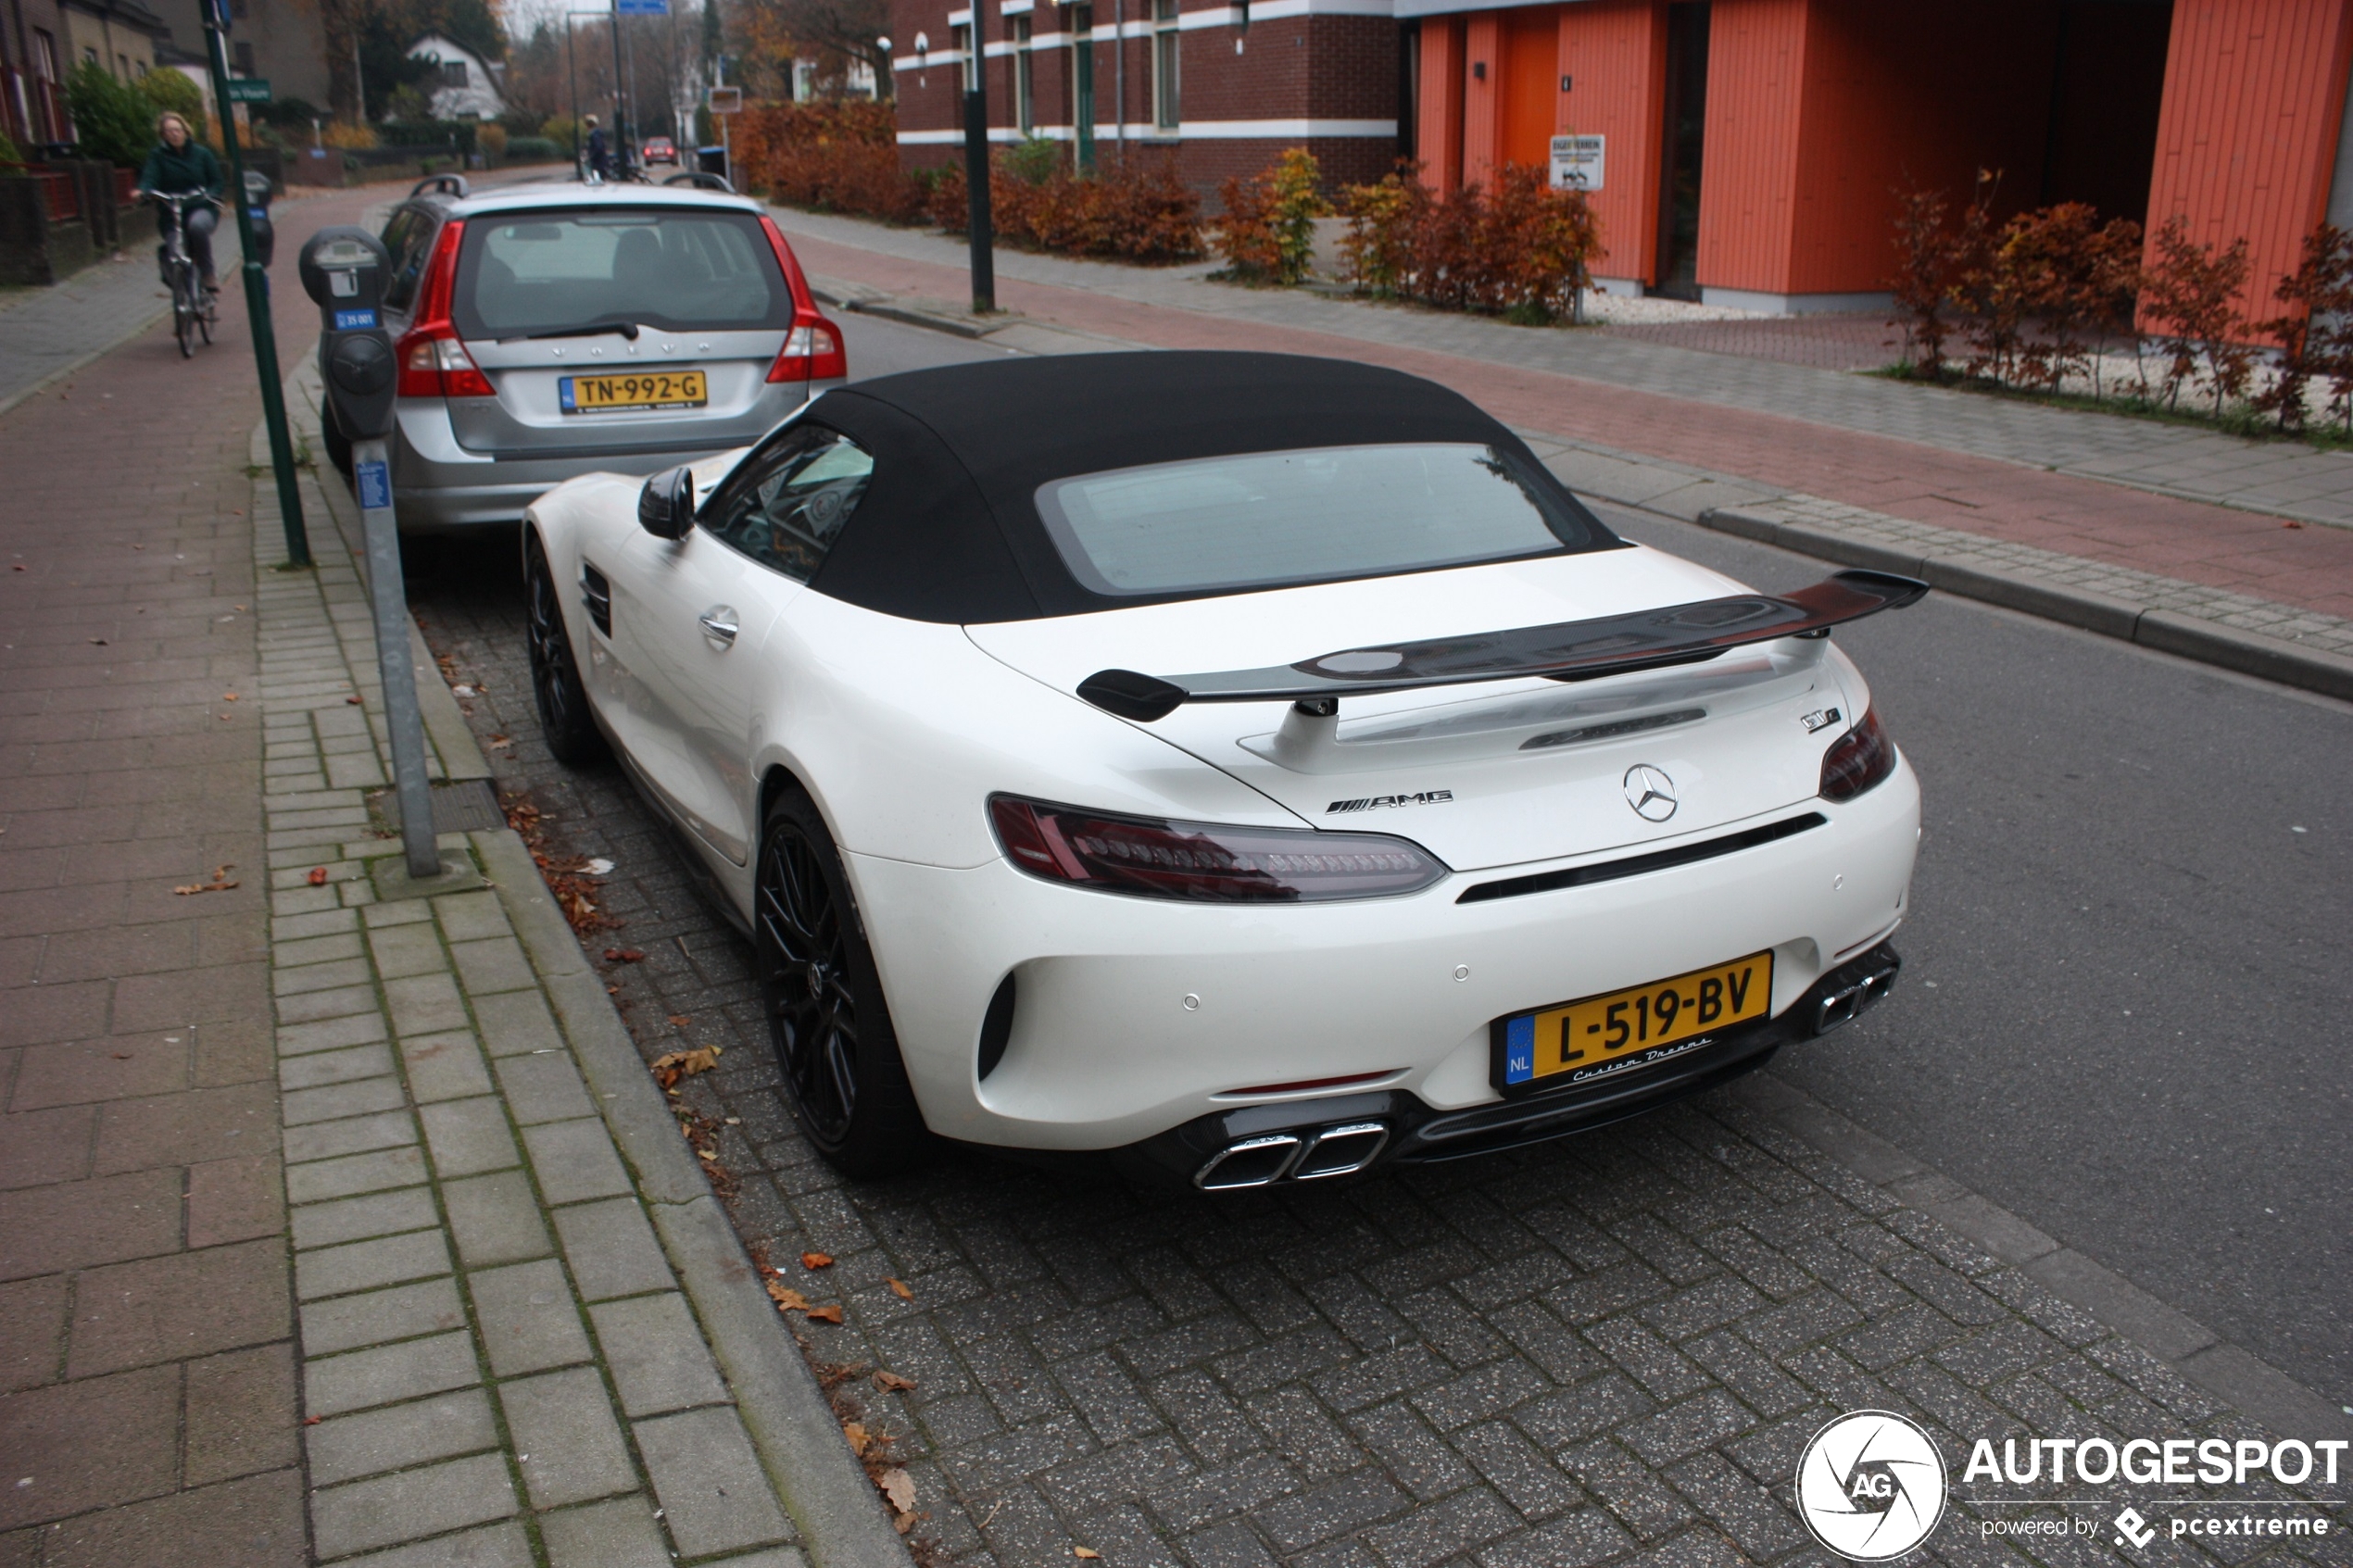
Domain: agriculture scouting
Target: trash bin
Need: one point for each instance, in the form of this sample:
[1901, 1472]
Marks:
[711, 160]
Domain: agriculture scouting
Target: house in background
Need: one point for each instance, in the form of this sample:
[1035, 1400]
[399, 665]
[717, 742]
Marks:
[467, 87]
[282, 41]
[1209, 89]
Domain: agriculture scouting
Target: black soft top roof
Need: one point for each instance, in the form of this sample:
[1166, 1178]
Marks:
[949, 528]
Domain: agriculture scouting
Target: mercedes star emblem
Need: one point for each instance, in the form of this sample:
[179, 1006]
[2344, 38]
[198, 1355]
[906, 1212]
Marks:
[1650, 792]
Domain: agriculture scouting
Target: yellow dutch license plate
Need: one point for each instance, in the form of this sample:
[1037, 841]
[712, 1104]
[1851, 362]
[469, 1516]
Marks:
[633, 394]
[1610, 1034]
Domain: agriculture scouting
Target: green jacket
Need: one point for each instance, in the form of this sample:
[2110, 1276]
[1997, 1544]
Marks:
[193, 168]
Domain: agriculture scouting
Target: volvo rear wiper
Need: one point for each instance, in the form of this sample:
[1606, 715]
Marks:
[626, 328]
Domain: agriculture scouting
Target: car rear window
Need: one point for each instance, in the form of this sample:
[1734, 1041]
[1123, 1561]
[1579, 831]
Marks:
[1265, 519]
[677, 271]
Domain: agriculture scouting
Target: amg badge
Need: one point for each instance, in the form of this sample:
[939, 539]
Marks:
[1375, 802]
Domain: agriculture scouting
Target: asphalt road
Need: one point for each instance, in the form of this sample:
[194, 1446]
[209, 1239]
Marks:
[2118, 1018]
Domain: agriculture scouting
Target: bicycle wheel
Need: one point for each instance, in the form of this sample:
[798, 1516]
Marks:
[204, 313]
[184, 320]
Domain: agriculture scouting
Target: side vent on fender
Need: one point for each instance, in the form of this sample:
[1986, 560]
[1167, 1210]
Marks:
[596, 594]
[997, 1026]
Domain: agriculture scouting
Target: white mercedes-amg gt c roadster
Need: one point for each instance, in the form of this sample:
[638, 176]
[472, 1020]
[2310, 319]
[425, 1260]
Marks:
[1245, 769]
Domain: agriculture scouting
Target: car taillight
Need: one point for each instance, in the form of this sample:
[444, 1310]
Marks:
[1204, 862]
[813, 352]
[433, 365]
[1861, 758]
[433, 362]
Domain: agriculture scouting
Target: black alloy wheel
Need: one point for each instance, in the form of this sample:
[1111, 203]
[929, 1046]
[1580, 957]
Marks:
[564, 718]
[826, 1018]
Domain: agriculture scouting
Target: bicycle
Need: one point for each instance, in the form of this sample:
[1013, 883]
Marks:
[192, 308]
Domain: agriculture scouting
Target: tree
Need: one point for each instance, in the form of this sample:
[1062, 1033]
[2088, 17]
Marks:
[845, 29]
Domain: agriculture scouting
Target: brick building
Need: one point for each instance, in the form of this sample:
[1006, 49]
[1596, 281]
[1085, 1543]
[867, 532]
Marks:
[1213, 89]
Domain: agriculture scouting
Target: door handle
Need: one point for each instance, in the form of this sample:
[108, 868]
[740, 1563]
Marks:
[719, 624]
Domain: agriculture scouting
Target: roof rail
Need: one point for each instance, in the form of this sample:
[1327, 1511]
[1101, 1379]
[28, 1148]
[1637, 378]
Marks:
[455, 184]
[707, 180]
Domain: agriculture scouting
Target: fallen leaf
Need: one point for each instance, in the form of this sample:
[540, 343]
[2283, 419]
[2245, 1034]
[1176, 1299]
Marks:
[307, 1420]
[499, 743]
[860, 1439]
[623, 955]
[228, 696]
[122, 1056]
[674, 1065]
[352, 700]
[1084, 1552]
[824, 1314]
[711, 1154]
[612, 990]
[816, 1260]
[680, 1018]
[891, 1382]
[904, 1523]
[900, 1487]
[217, 885]
[95, 641]
[318, 876]
[786, 1298]
[898, 1288]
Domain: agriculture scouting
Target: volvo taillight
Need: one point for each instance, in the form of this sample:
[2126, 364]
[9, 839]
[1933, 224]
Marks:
[1205, 863]
[812, 348]
[813, 352]
[434, 363]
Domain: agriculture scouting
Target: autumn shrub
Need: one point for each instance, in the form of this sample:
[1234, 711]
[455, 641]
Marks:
[2073, 279]
[2315, 333]
[2192, 290]
[1923, 279]
[1520, 248]
[1141, 213]
[831, 156]
[1268, 233]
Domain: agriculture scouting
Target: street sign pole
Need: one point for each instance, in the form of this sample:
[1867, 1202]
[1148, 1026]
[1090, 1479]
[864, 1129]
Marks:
[256, 281]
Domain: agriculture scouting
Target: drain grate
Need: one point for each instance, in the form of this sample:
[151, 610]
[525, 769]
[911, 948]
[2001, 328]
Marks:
[464, 806]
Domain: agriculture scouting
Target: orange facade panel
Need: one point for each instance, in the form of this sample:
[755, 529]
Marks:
[1440, 103]
[1613, 51]
[2247, 139]
[1748, 184]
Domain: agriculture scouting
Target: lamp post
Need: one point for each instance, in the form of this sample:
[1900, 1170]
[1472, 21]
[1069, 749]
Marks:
[978, 224]
[256, 281]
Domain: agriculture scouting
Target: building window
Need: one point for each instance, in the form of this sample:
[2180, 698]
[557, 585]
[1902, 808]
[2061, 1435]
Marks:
[1025, 99]
[245, 58]
[1166, 115]
[960, 40]
[453, 74]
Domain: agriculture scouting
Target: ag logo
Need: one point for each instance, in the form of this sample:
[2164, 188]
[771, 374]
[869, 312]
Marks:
[1871, 1485]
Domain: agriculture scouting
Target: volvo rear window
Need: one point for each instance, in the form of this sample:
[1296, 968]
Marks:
[523, 274]
[1266, 519]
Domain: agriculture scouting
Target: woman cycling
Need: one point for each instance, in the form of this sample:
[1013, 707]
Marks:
[182, 166]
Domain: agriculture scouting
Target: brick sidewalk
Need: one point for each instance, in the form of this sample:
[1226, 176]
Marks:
[2310, 567]
[150, 1409]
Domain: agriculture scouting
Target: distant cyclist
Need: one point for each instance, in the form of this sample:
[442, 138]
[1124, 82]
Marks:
[599, 151]
[182, 166]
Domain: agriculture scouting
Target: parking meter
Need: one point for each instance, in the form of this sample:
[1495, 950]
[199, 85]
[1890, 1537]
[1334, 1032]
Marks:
[257, 198]
[344, 270]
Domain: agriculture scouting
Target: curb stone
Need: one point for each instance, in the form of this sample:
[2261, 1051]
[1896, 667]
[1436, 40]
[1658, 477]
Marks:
[822, 1485]
[825, 1489]
[2249, 653]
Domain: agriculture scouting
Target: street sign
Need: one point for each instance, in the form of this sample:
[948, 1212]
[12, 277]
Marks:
[723, 100]
[642, 7]
[248, 89]
[1579, 162]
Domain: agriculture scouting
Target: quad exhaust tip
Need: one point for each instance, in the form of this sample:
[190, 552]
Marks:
[1298, 1156]
[1850, 1002]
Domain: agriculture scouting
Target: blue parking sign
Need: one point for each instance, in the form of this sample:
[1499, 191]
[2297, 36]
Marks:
[375, 486]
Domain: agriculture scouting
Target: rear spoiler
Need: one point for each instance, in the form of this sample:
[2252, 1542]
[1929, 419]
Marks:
[1567, 650]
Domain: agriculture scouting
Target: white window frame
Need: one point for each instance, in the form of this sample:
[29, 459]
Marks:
[1167, 70]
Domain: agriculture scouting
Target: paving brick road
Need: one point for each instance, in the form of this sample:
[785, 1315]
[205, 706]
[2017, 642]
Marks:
[1608, 1349]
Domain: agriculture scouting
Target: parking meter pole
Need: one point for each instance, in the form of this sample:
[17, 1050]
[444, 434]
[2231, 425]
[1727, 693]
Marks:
[256, 281]
[344, 270]
[396, 666]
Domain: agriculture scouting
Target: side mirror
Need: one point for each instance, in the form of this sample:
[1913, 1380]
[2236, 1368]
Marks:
[666, 505]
